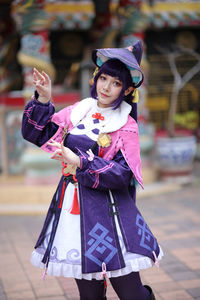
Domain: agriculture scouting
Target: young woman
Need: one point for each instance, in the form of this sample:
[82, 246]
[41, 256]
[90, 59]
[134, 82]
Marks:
[93, 229]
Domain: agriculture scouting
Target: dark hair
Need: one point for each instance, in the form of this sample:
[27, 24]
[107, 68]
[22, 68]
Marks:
[114, 68]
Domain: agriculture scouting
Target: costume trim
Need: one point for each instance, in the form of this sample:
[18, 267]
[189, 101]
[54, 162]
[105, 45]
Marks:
[34, 123]
[68, 270]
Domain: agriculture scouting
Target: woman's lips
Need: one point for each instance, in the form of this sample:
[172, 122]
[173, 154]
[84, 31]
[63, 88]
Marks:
[104, 95]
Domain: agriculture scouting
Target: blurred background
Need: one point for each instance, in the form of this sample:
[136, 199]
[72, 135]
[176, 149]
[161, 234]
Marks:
[57, 37]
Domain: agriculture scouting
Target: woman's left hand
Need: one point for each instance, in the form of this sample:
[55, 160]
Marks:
[64, 154]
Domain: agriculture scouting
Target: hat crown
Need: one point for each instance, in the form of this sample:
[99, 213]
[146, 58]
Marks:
[137, 51]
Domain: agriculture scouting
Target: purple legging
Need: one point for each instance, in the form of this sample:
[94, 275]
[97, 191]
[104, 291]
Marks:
[127, 287]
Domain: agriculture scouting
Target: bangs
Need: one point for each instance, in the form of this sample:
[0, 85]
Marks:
[116, 68]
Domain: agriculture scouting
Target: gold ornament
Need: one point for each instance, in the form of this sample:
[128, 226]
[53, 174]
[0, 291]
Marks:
[65, 131]
[104, 140]
[94, 74]
[69, 169]
[135, 95]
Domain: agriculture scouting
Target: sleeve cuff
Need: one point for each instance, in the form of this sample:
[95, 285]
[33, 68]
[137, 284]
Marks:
[83, 160]
[36, 94]
[35, 99]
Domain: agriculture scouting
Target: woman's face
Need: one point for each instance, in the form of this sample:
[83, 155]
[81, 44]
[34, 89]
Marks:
[108, 90]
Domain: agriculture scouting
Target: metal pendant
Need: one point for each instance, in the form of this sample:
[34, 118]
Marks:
[69, 169]
[104, 140]
[64, 133]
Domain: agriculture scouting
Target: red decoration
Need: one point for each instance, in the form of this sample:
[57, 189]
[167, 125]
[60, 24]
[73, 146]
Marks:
[62, 194]
[75, 210]
[98, 116]
[101, 152]
[63, 170]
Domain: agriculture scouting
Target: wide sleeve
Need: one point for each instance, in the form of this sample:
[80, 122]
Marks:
[37, 127]
[103, 174]
[40, 123]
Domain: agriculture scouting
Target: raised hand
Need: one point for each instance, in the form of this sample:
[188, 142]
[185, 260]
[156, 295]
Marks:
[64, 154]
[42, 83]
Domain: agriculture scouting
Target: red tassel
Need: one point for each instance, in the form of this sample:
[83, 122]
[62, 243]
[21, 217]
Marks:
[62, 194]
[75, 210]
[105, 282]
[103, 276]
[101, 152]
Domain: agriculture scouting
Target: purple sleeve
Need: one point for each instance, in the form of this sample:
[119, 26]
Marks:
[103, 174]
[37, 127]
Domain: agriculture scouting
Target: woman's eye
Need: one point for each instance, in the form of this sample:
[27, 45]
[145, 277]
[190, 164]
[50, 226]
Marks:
[102, 77]
[117, 83]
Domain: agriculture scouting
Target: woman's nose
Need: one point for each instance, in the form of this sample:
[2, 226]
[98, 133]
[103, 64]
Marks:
[106, 86]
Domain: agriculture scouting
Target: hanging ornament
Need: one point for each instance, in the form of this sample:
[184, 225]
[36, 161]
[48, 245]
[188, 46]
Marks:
[94, 74]
[75, 209]
[65, 131]
[104, 140]
[135, 95]
[98, 116]
[68, 169]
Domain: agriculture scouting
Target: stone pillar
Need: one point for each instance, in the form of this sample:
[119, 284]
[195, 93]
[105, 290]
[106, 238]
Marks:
[33, 26]
[9, 77]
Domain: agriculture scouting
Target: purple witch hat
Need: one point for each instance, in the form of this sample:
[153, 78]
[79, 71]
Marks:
[130, 56]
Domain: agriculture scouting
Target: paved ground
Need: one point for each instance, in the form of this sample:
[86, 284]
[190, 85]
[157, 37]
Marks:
[172, 213]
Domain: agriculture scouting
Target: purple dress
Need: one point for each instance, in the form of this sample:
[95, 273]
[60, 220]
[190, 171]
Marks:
[109, 229]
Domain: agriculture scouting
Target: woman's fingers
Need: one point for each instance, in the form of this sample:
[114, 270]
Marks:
[64, 154]
[69, 156]
[38, 74]
[46, 77]
[62, 146]
[42, 83]
[65, 151]
[57, 155]
[61, 152]
[54, 144]
[34, 75]
[38, 79]
[41, 91]
[42, 77]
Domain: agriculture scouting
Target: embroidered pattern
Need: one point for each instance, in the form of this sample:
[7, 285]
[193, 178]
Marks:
[145, 233]
[73, 256]
[95, 131]
[34, 123]
[100, 243]
[82, 156]
[99, 171]
[81, 126]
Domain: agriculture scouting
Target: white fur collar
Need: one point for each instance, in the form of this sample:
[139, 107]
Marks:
[117, 117]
